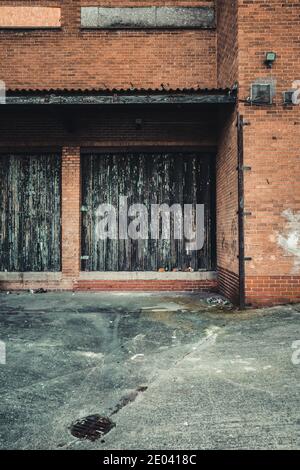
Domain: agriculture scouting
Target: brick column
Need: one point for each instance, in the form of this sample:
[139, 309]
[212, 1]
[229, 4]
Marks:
[71, 220]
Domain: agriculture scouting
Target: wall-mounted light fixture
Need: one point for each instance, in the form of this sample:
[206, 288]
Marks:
[270, 59]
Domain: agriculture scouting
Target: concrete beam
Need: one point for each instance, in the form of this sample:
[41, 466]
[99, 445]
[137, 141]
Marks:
[147, 17]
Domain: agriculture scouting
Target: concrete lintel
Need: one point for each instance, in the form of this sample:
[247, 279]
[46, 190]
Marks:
[147, 17]
[148, 276]
[185, 17]
[89, 17]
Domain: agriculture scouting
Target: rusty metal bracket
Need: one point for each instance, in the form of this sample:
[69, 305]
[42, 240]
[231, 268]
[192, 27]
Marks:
[244, 213]
[245, 258]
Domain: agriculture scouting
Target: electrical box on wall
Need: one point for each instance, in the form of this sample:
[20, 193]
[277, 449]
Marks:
[288, 96]
[261, 94]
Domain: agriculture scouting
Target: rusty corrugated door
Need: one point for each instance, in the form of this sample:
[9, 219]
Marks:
[30, 212]
[146, 178]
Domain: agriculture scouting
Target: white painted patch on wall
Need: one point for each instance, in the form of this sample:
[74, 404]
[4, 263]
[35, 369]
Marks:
[290, 240]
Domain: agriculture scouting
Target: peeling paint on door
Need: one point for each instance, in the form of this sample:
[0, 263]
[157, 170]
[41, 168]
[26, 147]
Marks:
[30, 208]
[150, 179]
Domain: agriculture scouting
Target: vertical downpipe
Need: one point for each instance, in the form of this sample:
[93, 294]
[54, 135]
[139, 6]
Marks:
[240, 139]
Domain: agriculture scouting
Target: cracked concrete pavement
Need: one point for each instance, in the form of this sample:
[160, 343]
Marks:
[213, 378]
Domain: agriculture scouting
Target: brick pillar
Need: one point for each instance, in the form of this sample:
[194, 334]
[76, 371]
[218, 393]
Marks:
[71, 220]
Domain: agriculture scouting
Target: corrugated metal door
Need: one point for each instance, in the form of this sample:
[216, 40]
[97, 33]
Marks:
[30, 213]
[158, 178]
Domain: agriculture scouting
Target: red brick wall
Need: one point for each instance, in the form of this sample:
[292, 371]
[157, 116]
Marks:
[71, 221]
[71, 57]
[147, 286]
[227, 161]
[272, 290]
[227, 42]
[228, 284]
[272, 149]
[227, 206]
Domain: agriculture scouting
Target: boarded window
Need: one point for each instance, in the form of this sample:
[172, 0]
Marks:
[29, 17]
[30, 206]
[145, 178]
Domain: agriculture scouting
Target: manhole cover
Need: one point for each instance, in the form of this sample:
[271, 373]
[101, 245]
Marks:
[92, 427]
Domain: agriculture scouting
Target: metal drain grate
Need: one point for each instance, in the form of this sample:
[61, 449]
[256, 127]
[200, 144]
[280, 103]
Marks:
[92, 427]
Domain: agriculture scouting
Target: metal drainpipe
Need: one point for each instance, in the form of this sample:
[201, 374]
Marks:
[240, 132]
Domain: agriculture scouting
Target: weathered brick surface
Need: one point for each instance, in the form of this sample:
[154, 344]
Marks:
[146, 286]
[228, 284]
[272, 290]
[271, 146]
[227, 195]
[139, 286]
[227, 42]
[71, 202]
[72, 57]
[272, 149]
[227, 159]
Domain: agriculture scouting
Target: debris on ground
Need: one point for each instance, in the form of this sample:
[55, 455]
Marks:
[219, 302]
[38, 291]
[41, 291]
[189, 270]
[138, 357]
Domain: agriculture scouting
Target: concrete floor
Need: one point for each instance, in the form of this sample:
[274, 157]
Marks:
[216, 379]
